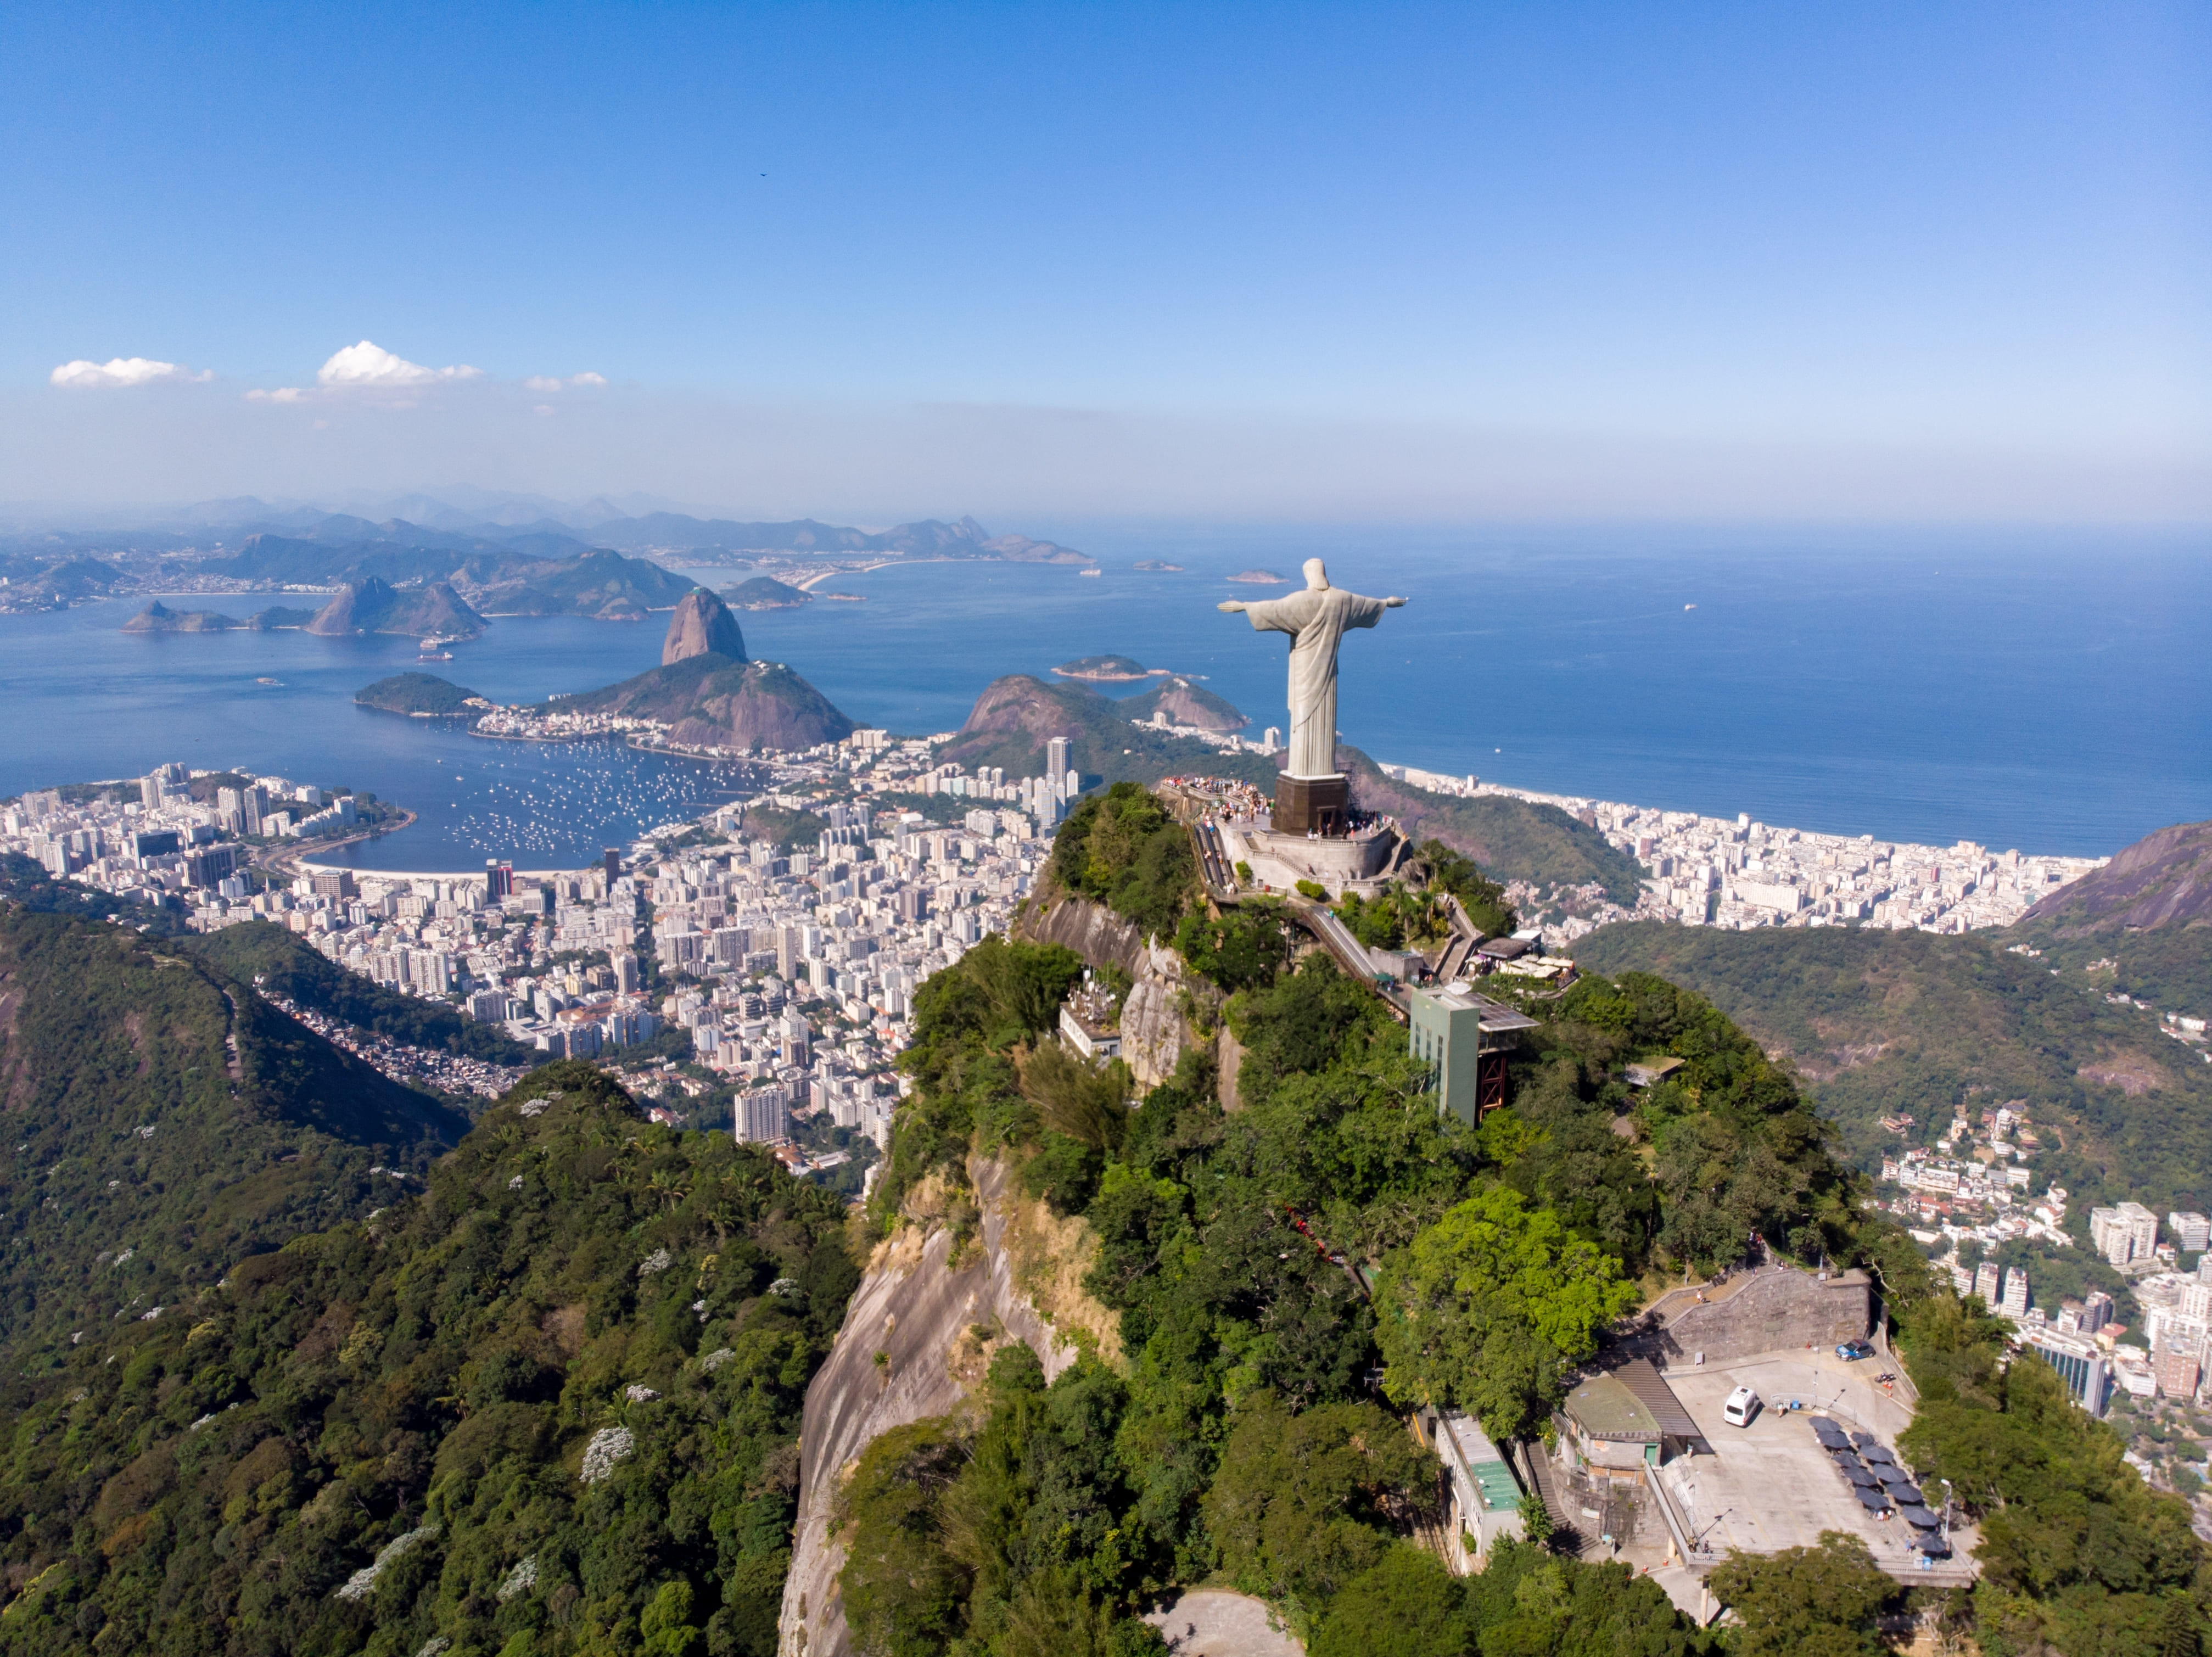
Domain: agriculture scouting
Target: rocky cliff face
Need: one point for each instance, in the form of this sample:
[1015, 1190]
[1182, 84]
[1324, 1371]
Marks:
[703, 626]
[919, 1310]
[2164, 879]
[1154, 1033]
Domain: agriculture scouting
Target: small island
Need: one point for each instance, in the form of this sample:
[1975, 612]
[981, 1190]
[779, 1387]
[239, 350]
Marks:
[766, 593]
[1108, 670]
[158, 618]
[420, 696]
[1266, 577]
[1158, 567]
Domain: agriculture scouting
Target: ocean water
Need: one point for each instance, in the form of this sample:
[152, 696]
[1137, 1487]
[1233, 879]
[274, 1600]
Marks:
[2049, 691]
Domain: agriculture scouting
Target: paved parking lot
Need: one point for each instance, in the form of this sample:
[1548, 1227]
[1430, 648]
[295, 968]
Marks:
[1769, 1485]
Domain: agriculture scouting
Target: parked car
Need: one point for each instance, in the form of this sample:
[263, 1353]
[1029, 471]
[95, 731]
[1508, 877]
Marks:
[1852, 1350]
[1742, 1405]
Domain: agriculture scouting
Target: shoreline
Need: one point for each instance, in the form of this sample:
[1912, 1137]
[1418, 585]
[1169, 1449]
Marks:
[295, 861]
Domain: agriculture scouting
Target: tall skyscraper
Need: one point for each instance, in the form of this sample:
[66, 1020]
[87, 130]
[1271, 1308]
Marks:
[499, 879]
[762, 1116]
[612, 859]
[1056, 759]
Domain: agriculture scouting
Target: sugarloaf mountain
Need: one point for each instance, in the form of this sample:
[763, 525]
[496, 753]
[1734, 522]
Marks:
[710, 696]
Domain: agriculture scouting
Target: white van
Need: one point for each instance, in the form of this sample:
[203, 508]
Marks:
[1742, 1405]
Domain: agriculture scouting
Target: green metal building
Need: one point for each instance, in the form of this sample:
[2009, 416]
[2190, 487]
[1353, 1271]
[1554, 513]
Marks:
[1463, 1039]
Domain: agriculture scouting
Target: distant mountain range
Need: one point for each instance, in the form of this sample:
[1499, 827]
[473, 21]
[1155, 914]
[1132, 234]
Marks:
[549, 530]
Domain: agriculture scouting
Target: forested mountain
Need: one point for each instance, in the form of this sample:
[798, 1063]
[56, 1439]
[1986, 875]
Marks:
[1246, 1445]
[1235, 1434]
[1016, 716]
[1877, 1023]
[548, 1405]
[162, 1121]
[497, 578]
[543, 1394]
[2140, 925]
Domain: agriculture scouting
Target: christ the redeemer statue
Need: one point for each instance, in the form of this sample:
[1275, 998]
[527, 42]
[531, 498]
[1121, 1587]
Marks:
[1316, 620]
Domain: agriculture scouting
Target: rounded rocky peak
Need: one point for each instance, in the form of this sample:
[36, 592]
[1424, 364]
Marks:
[703, 626]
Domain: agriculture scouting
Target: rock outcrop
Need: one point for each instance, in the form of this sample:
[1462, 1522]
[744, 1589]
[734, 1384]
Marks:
[1154, 1033]
[1028, 711]
[917, 1308]
[703, 626]
[1186, 703]
[2164, 879]
[376, 606]
[714, 702]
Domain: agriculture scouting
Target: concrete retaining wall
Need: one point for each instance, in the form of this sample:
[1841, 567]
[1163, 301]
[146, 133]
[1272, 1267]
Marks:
[1768, 1310]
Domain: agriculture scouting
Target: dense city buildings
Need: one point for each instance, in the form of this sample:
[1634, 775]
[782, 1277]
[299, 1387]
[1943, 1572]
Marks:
[1736, 873]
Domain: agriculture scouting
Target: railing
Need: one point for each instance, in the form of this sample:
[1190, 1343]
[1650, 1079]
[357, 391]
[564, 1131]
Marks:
[1677, 1526]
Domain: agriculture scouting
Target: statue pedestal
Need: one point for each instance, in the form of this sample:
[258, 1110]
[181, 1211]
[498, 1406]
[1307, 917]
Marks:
[1320, 804]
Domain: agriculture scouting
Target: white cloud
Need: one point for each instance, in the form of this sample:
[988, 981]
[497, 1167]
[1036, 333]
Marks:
[82, 375]
[545, 385]
[282, 394]
[372, 366]
[542, 408]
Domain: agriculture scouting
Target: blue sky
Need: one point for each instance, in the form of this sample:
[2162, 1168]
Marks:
[1926, 260]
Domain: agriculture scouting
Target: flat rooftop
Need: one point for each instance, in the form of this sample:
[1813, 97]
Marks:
[1495, 1016]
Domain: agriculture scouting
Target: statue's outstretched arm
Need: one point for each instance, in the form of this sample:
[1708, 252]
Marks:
[1235, 606]
[1395, 604]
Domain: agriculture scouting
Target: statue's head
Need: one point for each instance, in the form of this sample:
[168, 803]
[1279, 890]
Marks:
[1316, 575]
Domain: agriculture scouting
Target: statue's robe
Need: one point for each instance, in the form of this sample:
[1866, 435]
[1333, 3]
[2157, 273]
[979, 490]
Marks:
[1316, 619]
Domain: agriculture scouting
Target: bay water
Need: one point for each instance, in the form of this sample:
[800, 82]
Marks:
[2048, 689]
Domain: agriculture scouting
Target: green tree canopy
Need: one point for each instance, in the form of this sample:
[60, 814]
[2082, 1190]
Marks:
[1807, 1602]
[1489, 1307]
